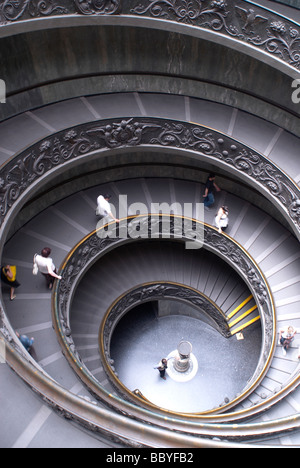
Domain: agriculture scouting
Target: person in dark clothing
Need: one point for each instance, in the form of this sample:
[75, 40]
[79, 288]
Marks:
[162, 366]
[210, 186]
[26, 342]
[8, 276]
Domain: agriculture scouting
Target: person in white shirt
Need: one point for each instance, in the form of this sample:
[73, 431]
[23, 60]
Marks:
[221, 220]
[162, 366]
[104, 208]
[286, 336]
[44, 264]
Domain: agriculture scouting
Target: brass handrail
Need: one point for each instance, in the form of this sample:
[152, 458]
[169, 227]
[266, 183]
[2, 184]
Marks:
[66, 299]
[13, 206]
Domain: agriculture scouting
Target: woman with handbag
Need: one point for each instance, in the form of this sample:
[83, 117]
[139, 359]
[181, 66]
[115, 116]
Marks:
[8, 276]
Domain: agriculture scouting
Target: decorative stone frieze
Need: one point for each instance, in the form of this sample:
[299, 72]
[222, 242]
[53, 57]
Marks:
[241, 20]
[50, 154]
[161, 291]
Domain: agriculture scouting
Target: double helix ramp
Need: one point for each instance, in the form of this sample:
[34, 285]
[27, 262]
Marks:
[64, 224]
[61, 226]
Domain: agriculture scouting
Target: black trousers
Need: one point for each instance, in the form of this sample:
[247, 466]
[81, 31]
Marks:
[49, 279]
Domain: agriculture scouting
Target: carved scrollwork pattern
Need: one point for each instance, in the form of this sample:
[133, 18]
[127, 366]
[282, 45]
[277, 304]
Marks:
[98, 7]
[212, 14]
[35, 163]
[11, 10]
[126, 132]
[282, 40]
[155, 292]
[243, 21]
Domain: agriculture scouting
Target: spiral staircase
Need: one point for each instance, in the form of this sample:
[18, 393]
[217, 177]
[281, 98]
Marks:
[108, 98]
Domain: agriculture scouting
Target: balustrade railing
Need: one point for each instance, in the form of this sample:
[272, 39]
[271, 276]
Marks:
[21, 176]
[103, 240]
[32, 166]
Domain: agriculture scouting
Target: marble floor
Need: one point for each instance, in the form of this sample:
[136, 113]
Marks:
[224, 365]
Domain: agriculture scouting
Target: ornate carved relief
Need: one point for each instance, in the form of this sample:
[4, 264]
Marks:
[245, 22]
[241, 20]
[211, 14]
[33, 164]
[155, 292]
[11, 10]
[98, 7]
[283, 40]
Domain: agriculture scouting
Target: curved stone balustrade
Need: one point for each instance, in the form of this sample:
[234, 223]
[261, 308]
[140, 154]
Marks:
[24, 173]
[260, 33]
[246, 22]
[76, 409]
[161, 291]
[51, 154]
[30, 169]
[104, 421]
[136, 433]
[103, 240]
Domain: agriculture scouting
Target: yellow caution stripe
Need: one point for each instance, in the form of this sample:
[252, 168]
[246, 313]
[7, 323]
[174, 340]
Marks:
[241, 317]
[242, 327]
[235, 311]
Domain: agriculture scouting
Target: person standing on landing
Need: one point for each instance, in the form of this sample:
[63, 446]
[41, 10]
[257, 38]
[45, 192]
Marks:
[162, 366]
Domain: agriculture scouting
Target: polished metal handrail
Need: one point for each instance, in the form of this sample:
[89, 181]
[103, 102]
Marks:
[95, 245]
[137, 434]
[21, 176]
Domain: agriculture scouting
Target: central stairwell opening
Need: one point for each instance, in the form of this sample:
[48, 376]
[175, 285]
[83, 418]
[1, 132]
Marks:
[199, 296]
[142, 338]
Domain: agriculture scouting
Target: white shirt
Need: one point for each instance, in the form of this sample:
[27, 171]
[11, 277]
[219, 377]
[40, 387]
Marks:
[43, 264]
[286, 334]
[103, 207]
[222, 222]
